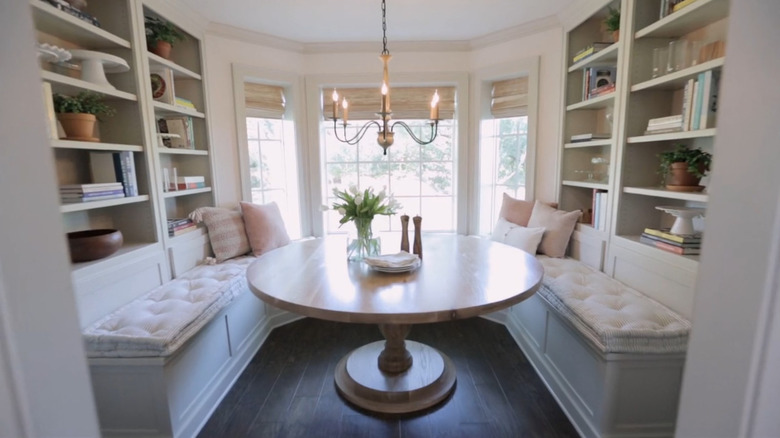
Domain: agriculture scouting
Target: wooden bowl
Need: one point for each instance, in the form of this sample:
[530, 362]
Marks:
[90, 245]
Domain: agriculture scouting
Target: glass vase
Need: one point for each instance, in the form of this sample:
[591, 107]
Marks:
[362, 244]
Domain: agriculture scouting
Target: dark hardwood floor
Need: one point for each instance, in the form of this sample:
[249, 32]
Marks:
[288, 391]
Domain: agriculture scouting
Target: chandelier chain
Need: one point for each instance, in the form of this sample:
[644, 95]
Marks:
[384, 29]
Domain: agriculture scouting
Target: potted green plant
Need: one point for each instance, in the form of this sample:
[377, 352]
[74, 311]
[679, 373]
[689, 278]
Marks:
[78, 114]
[612, 23]
[683, 168]
[161, 35]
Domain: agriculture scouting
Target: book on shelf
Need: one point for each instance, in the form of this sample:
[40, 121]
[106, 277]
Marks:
[108, 167]
[679, 4]
[180, 226]
[687, 104]
[589, 50]
[181, 126]
[190, 182]
[90, 187]
[672, 242]
[91, 199]
[182, 230]
[679, 238]
[175, 222]
[161, 79]
[669, 247]
[698, 94]
[665, 122]
[709, 104]
[185, 103]
[602, 90]
[590, 136]
[600, 207]
[655, 131]
[73, 195]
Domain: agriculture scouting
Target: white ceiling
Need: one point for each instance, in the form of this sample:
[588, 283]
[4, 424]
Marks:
[323, 21]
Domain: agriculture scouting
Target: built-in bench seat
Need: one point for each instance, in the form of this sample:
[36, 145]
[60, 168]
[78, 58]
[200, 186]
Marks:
[612, 356]
[161, 363]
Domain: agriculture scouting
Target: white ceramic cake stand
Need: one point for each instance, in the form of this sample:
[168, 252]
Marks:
[95, 65]
[683, 224]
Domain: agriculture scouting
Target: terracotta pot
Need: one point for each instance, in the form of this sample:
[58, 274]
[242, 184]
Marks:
[679, 177]
[161, 48]
[78, 126]
[616, 35]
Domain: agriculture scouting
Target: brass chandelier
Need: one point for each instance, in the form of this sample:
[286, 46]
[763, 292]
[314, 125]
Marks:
[385, 134]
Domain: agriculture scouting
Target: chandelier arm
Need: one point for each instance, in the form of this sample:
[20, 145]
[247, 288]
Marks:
[434, 132]
[357, 137]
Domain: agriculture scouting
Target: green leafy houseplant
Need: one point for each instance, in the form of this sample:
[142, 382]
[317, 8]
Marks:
[86, 102]
[697, 160]
[161, 30]
[612, 22]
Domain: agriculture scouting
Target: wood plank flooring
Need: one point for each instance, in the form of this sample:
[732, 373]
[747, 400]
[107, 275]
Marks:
[288, 391]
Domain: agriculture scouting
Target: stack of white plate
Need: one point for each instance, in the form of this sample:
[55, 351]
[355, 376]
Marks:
[394, 263]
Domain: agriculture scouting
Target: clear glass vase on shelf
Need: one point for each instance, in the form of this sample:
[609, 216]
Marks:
[362, 243]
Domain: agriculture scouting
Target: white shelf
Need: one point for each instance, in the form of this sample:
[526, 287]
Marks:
[179, 72]
[95, 146]
[605, 57]
[126, 250]
[697, 14]
[676, 80]
[175, 151]
[51, 20]
[177, 193]
[659, 192]
[91, 205]
[67, 85]
[595, 103]
[166, 109]
[586, 184]
[589, 144]
[682, 135]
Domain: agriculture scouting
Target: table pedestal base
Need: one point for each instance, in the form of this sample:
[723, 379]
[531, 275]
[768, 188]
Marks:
[429, 379]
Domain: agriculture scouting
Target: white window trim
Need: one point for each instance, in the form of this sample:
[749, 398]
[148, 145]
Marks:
[481, 86]
[314, 83]
[295, 104]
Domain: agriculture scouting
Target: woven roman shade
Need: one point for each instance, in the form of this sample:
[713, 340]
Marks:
[266, 100]
[509, 98]
[405, 102]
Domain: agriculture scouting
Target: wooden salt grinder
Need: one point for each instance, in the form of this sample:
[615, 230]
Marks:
[405, 233]
[417, 236]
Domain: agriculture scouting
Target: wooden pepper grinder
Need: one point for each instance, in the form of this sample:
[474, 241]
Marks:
[405, 233]
[417, 236]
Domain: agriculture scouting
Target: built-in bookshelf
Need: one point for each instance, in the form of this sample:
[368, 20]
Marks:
[124, 132]
[183, 112]
[642, 97]
[586, 170]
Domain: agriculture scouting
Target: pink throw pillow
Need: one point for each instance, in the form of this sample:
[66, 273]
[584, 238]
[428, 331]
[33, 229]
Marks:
[515, 210]
[264, 227]
[558, 226]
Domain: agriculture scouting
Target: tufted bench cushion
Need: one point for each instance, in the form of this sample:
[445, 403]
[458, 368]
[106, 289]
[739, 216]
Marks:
[159, 322]
[616, 318]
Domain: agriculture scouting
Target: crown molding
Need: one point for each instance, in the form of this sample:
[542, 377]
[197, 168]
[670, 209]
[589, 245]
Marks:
[248, 36]
[519, 31]
[526, 29]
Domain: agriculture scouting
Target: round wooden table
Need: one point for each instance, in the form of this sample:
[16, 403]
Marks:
[460, 277]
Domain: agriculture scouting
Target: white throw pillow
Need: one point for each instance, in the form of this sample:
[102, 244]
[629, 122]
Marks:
[524, 238]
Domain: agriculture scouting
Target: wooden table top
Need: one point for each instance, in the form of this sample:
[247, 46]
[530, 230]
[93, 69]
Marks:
[460, 277]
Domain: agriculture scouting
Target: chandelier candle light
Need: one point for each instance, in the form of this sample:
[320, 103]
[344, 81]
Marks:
[385, 135]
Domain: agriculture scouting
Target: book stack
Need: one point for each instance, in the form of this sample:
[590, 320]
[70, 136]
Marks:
[590, 136]
[190, 182]
[185, 103]
[598, 81]
[68, 8]
[177, 227]
[589, 50]
[72, 193]
[674, 243]
[114, 167]
[662, 125]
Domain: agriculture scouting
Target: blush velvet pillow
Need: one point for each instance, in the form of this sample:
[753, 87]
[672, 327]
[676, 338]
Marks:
[523, 238]
[558, 225]
[226, 231]
[264, 226]
[516, 211]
